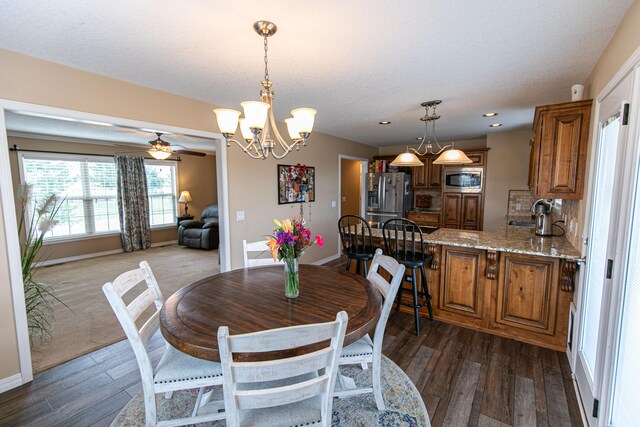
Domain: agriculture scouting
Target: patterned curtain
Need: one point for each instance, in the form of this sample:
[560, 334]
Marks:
[133, 203]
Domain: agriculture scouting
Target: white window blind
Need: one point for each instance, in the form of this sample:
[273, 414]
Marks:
[88, 186]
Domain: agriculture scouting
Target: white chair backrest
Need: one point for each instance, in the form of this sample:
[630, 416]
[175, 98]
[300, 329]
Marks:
[128, 314]
[250, 373]
[255, 247]
[388, 290]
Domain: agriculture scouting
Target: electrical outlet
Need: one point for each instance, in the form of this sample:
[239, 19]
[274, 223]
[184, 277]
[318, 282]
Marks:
[333, 203]
[518, 206]
[564, 218]
[239, 215]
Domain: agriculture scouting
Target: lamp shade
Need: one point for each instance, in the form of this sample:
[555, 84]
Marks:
[246, 130]
[184, 197]
[227, 120]
[407, 159]
[159, 154]
[304, 118]
[255, 113]
[292, 127]
[452, 156]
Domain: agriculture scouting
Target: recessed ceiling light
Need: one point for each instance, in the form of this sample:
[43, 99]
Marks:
[495, 125]
[384, 122]
[419, 138]
[489, 114]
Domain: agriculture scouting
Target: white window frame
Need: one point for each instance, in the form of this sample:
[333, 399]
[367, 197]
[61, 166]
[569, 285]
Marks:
[104, 159]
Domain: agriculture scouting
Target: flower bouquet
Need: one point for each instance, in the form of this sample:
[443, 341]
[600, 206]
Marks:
[290, 239]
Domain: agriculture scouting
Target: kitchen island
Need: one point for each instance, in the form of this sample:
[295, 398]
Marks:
[510, 283]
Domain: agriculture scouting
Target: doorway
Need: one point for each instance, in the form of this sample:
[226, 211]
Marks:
[351, 177]
[607, 335]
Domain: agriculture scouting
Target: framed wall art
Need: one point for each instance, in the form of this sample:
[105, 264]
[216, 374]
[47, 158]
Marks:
[296, 184]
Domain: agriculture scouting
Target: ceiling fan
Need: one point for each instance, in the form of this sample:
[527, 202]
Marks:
[161, 149]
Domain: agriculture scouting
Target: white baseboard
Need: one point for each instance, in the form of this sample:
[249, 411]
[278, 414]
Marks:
[96, 254]
[326, 260]
[8, 383]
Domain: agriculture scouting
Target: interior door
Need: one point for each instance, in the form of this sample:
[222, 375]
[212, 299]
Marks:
[602, 231]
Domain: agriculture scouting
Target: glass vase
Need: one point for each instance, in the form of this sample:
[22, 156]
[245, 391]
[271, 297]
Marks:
[291, 278]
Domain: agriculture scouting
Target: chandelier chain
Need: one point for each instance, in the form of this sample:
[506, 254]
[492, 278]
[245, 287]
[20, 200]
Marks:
[266, 59]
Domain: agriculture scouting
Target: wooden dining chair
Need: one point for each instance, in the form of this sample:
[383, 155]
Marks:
[176, 370]
[287, 391]
[365, 351]
[249, 252]
[403, 240]
[357, 243]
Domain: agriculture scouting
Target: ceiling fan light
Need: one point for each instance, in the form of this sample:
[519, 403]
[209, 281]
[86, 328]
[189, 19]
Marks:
[407, 159]
[227, 120]
[255, 113]
[452, 156]
[246, 130]
[159, 154]
[304, 118]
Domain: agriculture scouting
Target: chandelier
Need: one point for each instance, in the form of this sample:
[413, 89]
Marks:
[448, 155]
[258, 127]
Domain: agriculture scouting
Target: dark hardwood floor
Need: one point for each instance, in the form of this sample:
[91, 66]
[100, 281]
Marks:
[466, 378]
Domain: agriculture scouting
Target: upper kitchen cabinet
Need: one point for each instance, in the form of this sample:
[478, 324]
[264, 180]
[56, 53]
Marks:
[429, 176]
[559, 150]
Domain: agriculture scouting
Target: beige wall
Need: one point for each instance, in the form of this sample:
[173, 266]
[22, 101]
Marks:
[252, 184]
[350, 187]
[464, 144]
[507, 169]
[196, 174]
[624, 42]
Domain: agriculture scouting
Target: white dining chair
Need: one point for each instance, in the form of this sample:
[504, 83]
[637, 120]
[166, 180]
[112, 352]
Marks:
[281, 392]
[365, 351]
[249, 252]
[176, 370]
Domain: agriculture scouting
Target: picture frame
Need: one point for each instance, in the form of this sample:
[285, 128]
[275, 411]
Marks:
[296, 184]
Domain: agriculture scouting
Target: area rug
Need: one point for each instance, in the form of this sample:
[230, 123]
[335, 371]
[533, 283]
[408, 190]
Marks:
[404, 406]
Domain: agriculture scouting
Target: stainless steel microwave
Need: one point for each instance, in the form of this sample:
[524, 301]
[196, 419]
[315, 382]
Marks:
[463, 180]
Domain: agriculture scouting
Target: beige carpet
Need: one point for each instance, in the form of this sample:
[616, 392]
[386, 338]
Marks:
[92, 324]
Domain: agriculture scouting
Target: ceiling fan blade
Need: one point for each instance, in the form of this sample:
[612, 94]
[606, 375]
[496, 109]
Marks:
[189, 153]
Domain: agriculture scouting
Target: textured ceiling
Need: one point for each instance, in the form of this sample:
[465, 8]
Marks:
[357, 62]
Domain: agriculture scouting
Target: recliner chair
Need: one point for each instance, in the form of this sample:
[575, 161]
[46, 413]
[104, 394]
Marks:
[203, 234]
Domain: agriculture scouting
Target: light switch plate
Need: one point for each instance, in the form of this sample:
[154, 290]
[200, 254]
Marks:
[239, 215]
[333, 203]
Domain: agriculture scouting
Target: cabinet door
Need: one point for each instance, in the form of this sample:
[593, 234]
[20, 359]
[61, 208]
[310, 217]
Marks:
[564, 134]
[532, 165]
[527, 293]
[462, 282]
[471, 209]
[451, 210]
[419, 174]
[435, 174]
[477, 158]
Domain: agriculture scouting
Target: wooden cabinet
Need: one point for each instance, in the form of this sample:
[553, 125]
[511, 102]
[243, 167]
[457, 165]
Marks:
[462, 210]
[462, 285]
[428, 219]
[428, 176]
[478, 158]
[559, 152]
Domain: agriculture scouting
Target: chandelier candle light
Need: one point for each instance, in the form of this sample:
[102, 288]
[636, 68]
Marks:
[258, 130]
[289, 240]
[448, 155]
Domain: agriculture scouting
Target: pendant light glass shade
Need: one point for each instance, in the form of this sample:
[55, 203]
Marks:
[293, 128]
[304, 118]
[159, 154]
[255, 113]
[407, 159]
[452, 156]
[227, 120]
[246, 131]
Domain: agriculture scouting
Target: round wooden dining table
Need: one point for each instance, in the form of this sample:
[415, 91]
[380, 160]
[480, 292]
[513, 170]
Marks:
[252, 300]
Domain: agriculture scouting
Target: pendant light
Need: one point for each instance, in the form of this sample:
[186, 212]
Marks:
[407, 159]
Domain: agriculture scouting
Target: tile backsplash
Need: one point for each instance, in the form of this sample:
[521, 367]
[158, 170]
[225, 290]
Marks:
[520, 202]
[435, 198]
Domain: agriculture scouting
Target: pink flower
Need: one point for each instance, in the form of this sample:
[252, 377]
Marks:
[319, 240]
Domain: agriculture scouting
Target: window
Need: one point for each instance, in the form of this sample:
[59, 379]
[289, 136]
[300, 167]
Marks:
[89, 188]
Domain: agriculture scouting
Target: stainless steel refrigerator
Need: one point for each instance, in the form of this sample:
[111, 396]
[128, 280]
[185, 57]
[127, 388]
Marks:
[389, 196]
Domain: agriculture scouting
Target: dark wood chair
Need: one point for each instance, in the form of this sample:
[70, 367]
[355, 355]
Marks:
[403, 241]
[355, 235]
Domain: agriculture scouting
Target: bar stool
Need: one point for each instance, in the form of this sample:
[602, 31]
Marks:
[355, 235]
[403, 241]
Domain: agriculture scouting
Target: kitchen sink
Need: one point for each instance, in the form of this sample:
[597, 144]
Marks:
[522, 224]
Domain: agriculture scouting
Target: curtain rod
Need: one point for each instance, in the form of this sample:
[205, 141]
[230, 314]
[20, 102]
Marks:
[26, 150]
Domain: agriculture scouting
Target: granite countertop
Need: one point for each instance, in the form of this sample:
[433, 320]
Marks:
[520, 240]
[426, 210]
